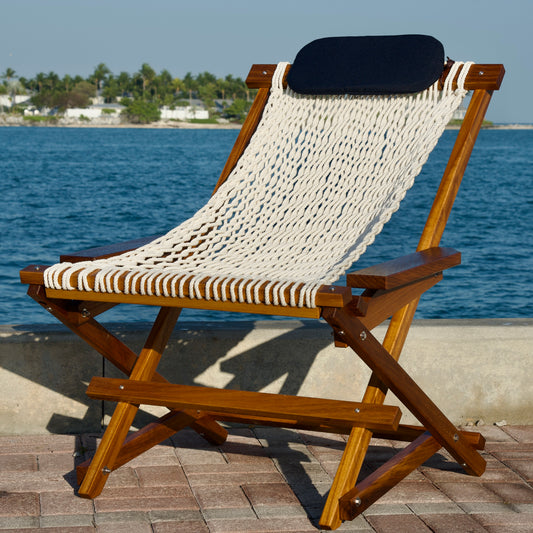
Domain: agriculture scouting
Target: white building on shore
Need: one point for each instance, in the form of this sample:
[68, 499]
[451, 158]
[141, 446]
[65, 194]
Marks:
[184, 113]
[99, 111]
[7, 100]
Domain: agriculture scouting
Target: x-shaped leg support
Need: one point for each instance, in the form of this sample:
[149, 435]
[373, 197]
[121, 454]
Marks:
[116, 448]
[346, 501]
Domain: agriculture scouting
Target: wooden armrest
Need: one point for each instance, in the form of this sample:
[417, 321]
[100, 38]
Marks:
[33, 274]
[406, 269]
[109, 250]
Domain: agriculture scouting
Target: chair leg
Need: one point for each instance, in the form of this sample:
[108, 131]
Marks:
[359, 439]
[405, 388]
[346, 476]
[106, 455]
[363, 495]
[388, 374]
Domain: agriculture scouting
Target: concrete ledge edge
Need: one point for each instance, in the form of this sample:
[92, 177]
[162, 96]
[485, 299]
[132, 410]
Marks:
[472, 369]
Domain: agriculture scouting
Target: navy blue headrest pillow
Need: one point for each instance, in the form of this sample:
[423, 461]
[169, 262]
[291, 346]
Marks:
[367, 65]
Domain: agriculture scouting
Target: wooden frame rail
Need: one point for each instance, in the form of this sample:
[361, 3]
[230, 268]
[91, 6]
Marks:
[480, 76]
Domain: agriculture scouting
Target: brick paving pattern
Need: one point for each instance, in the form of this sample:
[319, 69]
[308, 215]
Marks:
[260, 480]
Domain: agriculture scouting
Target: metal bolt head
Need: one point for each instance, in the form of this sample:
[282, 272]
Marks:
[358, 502]
[456, 437]
[106, 470]
[85, 313]
[121, 387]
[357, 410]
[362, 335]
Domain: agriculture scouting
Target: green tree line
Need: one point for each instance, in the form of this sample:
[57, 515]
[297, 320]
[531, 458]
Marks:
[145, 86]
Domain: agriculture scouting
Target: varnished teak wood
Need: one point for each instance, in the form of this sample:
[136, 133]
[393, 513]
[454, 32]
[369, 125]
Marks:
[383, 304]
[488, 77]
[363, 495]
[299, 408]
[404, 270]
[108, 450]
[395, 378]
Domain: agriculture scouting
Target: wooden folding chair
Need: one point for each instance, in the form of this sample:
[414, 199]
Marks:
[80, 287]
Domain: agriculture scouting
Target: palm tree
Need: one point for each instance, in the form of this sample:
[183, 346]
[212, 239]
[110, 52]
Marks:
[147, 74]
[164, 84]
[124, 83]
[51, 81]
[67, 82]
[99, 74]
[8, 74]
[39, 80]
[190, 84]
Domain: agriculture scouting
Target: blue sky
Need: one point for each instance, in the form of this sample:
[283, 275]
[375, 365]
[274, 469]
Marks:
[226, 37]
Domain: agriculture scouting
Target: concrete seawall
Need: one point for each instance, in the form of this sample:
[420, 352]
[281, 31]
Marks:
[472, 369]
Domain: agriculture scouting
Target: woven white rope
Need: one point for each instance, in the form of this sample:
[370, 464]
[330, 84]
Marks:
[317, 182]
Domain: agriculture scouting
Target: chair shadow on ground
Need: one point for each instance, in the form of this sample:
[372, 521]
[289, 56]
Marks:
[244, 370]
[306, 460]
[282, 362]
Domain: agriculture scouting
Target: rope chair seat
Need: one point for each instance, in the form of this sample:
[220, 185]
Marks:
[317, 182]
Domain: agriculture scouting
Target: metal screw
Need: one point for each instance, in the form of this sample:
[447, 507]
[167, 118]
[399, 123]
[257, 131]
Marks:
[37, 268]
[121, 387]
[456, 437]
[48, 308]
[265, 72]
[332, 289]
[340, 332]
[363, 335]
[358, 502]
[357, 410]
[106, 470]
[481, 72]
[85, 313]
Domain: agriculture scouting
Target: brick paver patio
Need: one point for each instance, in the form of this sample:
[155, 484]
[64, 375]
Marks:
[261, 479]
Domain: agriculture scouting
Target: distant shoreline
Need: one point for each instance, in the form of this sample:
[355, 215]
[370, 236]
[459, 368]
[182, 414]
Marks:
[152, 126]
[18, 122]
[500, 127]
[510, 127]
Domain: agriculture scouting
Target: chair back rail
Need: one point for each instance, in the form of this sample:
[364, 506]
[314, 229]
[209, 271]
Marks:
[480, 76]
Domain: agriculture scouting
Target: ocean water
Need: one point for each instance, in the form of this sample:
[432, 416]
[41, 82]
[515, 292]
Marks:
[62, 190]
